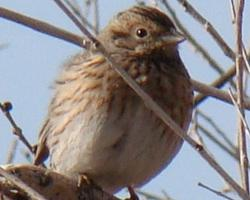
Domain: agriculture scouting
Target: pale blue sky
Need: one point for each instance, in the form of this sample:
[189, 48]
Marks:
[30, 63]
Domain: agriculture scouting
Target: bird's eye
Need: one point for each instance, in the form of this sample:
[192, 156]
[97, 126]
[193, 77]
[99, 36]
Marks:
[141, 32]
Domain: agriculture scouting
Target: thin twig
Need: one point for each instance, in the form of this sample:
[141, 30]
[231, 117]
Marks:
[240, 95]
[87, 5]
[77, 22]
[208, 26]
[76, 9]
[232, 10]
[214, 191]
[166, 195]
[96, 16]
[231, 152]
[244, 52]
[216, 128]
[154, 106]
[20, 184]
[245, 58]
[197, 46]
[5, 108]
[238, 111]
[194, 131]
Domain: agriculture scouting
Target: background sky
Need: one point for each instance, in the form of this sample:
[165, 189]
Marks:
[32, 60]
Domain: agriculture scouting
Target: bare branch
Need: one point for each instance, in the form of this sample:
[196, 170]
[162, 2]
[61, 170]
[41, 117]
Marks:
[240, 95]
[218, 83]
[76, 9]
[232, 10]
[5, 108]
[239, 113]
[216, 93]
[197, 46]
[40, 26]
[208, 26]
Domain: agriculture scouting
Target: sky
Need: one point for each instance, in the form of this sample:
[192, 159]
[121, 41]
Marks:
[31, 61]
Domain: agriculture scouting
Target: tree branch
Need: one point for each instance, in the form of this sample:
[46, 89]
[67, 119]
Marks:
[240, 96]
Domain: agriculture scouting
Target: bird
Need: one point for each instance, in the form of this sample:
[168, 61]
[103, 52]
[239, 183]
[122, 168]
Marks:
[98, 126]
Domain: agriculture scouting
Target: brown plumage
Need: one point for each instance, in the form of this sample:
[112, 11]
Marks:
[98, 126]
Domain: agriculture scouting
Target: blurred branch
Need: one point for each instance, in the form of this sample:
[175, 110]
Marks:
[216, 128]
[198, 47]
[232, 7]
[207, 133]
[3, 46]
[214, 191]
[149, 196]
[76, 9]
[96, 16]
[194, 131]
[208, 26]
[240, 96]
[87, 5]
[21, 185]
[12, 151]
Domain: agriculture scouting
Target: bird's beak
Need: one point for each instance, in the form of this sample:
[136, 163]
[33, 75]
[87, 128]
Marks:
[173, 38]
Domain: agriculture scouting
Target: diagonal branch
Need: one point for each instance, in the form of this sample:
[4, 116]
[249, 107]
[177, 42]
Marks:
[197, 46]
[208, 26]
[40, 26]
